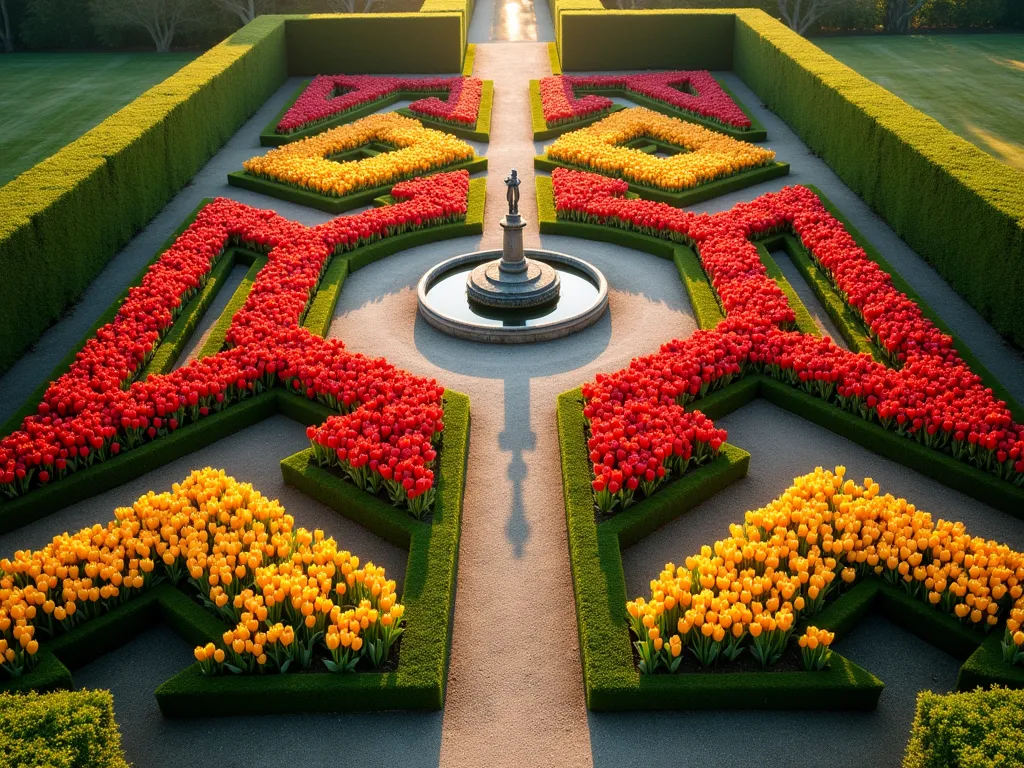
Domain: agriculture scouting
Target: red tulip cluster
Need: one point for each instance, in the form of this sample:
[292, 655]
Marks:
[328, 96]
[696, 92]
[929, 394]
[100, 408]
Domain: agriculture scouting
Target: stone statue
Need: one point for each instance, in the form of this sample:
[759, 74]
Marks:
[512, 195]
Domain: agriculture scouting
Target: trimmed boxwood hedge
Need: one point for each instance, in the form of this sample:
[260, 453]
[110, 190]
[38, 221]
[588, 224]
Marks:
[62, 220]
[978, 729]
[69, 729]
[15, 513]
[955, 205]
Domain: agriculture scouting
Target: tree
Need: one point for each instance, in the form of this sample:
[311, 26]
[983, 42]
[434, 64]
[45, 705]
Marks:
[800, 15]
[351, 6]
[246, 10]
[6, 38]
[162, 19]
[898, 14]
[630, 5]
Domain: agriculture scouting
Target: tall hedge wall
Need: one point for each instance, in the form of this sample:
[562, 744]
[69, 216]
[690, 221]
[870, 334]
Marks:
[669, 39]
[62, 220]
[378, 42]
[959, 208]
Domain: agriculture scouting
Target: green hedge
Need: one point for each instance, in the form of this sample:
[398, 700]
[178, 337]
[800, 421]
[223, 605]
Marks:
[955, 205]
[377, 43]
[670, 39]
[69, 729]
[979, 729]
[61, 221]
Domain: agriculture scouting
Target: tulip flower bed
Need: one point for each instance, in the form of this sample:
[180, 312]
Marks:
[704, 164]
[307, 171]
[693, 95]
[459, 105]
[99, 422]
[923, 403]
[751, 592]
[612, 666]
[285, 599]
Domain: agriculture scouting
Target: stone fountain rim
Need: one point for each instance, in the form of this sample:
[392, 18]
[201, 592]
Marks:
[555, 329]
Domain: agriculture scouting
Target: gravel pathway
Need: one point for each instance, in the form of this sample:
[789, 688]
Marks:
[515, 687]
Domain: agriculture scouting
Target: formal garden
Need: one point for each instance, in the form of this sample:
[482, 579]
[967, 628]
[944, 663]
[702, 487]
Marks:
[513, 385]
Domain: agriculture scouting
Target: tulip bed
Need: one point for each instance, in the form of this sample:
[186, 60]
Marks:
[458, 105]
[693, 95]
[335, 602]
[918, 388]
[701, 164]
[67, 445]
[612, 677]
[323, 171]
[753, 591]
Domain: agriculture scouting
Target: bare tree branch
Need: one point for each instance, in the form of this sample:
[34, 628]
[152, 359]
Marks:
[351, 6]
[801, 15]
[6, 38]
[162, 19]
[245, 10]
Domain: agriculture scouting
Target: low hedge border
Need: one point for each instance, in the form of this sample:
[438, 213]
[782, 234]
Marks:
[334, 205]
[941, 467]
[556, 63]
[542, 131]
[469, 61]
[269, 137]
[691, 196]
[15, 513]
[428, 593]
[611, 680]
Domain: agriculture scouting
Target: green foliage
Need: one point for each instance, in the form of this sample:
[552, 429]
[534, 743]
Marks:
[61, 221]
[670, 39]
[959, 208]
[48, 24]
[961, 14]
[978, 729]
[416, 43]
[67, 729]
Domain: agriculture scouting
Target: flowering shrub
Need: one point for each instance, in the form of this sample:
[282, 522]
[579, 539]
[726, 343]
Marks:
[695, 91]
[329, 96]
[708, 156]
[287, 591]
[306, 163]
[927, 392]
[99, 408]
[776, 569]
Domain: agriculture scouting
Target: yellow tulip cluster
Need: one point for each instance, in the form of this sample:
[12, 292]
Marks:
[825, 532]
[814, 648]
[307, 163]
[706, 155]
[284, 589]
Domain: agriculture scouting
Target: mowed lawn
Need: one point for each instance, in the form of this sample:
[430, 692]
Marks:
[972, 84]
[50, 99]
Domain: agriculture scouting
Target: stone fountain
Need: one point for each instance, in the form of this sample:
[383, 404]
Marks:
[514, 295]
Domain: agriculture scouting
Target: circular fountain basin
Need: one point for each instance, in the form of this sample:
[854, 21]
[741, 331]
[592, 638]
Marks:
[445, 304]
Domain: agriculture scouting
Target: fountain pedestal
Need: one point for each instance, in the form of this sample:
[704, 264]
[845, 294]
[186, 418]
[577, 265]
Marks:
[513, 281]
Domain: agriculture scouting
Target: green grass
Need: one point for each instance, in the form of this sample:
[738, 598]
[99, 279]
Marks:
[48, 100]
[971, 84]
